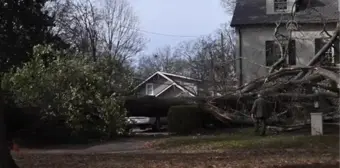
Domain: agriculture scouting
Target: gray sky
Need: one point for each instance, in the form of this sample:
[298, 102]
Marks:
[177, 17]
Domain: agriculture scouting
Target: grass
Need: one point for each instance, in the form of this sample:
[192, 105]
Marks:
[200, 152]
[247, 140]
[180, 160]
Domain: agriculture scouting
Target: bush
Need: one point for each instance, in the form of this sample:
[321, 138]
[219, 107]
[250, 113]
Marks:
[185, 119]
[83, 96]
[151, 106]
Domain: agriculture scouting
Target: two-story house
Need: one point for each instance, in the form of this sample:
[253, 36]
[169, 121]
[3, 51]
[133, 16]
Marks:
[301, 20]
[162, 84]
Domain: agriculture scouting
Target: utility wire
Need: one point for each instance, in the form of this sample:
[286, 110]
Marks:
[161, 34]
[169, 35]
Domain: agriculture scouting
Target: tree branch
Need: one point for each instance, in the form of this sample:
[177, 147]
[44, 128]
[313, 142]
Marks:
[318, 55]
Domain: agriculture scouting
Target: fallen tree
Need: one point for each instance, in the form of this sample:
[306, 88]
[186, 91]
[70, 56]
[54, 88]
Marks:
[290, 89]
[291, 86]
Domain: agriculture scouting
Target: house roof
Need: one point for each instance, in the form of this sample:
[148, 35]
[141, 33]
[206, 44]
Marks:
[180, 76]
[167, 76]
[161, 92]
[252, 12]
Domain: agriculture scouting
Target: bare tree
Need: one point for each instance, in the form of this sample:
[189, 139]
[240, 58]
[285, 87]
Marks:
[165, 59]
[121, 37]
[87, 17]
[228, 5]
[110, 28]
[78, 23]
[212, 60]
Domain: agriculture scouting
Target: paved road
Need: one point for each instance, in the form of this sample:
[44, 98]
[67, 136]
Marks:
[109, 147]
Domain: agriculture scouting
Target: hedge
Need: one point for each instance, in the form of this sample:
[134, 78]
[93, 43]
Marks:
[150, 106]
[185, 119]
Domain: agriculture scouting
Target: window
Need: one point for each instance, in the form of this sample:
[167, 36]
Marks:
[280, 5]
[149, 89]
[273, 52]
[331, 56]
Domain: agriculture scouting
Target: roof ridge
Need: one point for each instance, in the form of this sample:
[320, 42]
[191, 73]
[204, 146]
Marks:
[179, 76]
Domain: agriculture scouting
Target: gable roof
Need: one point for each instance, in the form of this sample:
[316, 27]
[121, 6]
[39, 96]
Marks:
[166, 76]
[161, 92]
[250, 12]
[180, 76]
[174, 85]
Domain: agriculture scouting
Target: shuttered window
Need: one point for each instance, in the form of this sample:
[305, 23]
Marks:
[331, 56]
[273, 52]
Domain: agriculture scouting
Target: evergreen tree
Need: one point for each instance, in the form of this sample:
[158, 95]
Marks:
[23, 24]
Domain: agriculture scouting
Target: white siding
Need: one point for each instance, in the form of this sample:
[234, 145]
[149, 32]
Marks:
[159, 84]
[290, 4]
[253, 47]
[270, 6]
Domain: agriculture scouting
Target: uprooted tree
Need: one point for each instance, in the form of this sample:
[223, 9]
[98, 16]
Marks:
[291, 89]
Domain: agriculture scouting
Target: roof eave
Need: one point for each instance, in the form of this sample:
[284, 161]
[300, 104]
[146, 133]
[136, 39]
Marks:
[145, 80]
[272, 23]
[180, 76]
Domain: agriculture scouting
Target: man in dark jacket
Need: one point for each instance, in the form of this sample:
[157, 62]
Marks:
[260, 113]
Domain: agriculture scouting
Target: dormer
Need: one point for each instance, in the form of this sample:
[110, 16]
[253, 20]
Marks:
[280, 6]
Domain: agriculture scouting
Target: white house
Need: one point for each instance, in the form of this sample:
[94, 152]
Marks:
[255, 21]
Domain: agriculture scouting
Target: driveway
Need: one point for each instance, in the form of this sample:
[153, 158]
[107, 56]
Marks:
[136, 143]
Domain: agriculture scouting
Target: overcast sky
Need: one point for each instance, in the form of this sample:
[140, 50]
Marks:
[177, 17]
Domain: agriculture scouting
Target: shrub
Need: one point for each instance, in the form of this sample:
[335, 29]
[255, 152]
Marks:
[151, 106]
[185, 119]
[86, 97]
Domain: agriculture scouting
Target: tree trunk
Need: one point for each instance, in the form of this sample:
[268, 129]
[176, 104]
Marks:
[6, 160]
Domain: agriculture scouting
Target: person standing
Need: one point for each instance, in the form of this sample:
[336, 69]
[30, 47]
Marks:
[259, 112]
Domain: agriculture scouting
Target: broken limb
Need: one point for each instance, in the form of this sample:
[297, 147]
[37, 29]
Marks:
[282, 53]
[258, 82]
[319, 54]
[286, 86]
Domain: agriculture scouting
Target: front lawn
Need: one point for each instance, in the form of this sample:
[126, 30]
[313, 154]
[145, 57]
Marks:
[237, 150]
[247, 140]
[259, 159]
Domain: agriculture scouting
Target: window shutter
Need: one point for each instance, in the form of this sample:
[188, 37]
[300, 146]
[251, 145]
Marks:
[269, 53]
[317, 45]
[292, 53]
[336, 51]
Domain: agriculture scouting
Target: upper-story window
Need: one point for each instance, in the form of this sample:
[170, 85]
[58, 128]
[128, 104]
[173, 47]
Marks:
[149, 89]
[280, 5]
